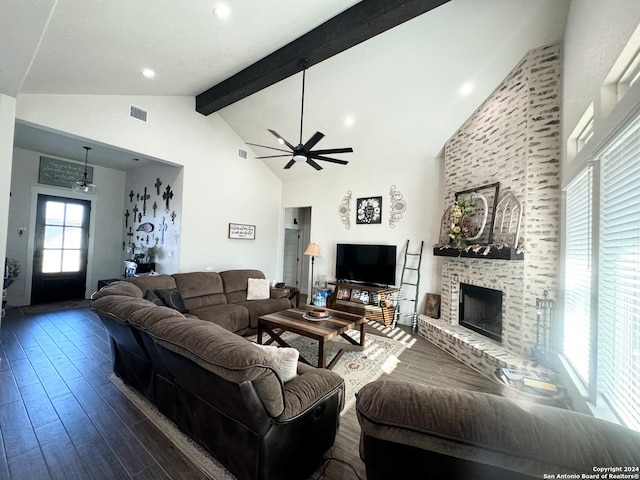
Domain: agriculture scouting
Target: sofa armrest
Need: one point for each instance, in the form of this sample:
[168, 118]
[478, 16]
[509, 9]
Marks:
[487, 429]
[308, 388]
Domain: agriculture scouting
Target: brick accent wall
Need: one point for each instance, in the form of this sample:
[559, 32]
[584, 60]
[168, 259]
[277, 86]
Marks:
[513, 138]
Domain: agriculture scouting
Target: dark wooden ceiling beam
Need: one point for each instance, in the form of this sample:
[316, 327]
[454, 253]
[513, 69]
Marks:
[353, 26]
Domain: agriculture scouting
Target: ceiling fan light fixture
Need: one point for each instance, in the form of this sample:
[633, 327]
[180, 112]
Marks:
[299, 158]
[84, 185]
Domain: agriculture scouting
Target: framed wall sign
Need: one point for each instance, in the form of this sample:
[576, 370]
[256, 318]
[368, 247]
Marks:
[60, 173]
[239, 230]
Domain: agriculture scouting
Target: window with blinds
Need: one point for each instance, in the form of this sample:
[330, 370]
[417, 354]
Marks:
[619, 277]
[578, 275]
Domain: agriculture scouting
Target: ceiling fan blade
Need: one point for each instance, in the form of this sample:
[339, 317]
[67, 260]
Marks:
[266, 146]
[290, 164]
[273, 156]
[314, 164]
[312, 141]
[280, 137]
[329, 159]
[332, 150]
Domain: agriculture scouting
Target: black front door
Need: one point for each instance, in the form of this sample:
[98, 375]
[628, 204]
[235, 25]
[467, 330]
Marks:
[60, 250]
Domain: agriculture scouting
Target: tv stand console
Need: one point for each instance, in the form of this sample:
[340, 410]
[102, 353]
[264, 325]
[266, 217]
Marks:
[375, 303]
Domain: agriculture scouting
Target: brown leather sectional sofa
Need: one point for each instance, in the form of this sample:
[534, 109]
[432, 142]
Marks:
[216, 386]
[456, 434]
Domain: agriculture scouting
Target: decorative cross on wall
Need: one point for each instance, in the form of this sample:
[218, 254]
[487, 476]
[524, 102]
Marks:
[166, 196]
[155, 207]
[131, 196]
[137, 196]
[126, 215]
[157, 185]
[135, 212]
[163, 228]
[139, 217]
[144, 198]
[173, 217]
[129, 233]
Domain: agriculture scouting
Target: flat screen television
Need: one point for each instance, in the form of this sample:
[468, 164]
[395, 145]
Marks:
[373, 265]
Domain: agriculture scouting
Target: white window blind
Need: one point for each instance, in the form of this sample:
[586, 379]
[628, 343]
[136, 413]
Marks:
[578, 275]
[619, 277]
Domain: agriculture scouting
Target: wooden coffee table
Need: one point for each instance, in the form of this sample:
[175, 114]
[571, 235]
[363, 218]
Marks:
[323, 331]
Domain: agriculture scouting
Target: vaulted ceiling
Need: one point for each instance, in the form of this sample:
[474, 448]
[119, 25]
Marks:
[405, 90]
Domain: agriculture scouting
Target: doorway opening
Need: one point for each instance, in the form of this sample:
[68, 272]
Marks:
[60, 249]
[297, 227]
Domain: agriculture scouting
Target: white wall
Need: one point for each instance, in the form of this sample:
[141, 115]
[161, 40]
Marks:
[167, 245]
[105, 242]
[7, 126]
[595, 35]
[219, 188]
[418, 181]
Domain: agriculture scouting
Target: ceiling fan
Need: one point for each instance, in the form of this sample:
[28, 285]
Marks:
[302, 152]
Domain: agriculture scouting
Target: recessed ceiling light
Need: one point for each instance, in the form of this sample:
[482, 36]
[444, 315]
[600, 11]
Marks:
[222, 11]
[148, 73]
[349, 120]
[466, 89]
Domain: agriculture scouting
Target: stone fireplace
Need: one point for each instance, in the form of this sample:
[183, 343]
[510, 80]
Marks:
[513, 139]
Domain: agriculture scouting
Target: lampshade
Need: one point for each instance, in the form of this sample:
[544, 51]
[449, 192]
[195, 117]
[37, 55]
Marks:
[84, 185]
[313, 249]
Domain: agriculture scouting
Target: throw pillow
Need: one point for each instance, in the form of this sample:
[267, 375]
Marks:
[172, 299]
[153, 298]
[258, 289]
[284, 361]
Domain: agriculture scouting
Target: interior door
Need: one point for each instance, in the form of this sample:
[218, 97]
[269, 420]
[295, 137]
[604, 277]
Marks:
[60, 249]
[291, 268]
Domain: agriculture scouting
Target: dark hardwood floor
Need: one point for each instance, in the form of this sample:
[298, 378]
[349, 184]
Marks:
[60, 416]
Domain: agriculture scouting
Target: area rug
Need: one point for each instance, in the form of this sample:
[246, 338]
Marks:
[358, 368]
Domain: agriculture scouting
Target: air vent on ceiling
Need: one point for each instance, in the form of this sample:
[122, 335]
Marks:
[138, 113]
[242, 153]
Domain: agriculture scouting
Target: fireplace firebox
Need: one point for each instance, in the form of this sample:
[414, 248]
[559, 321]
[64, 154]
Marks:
[480, 310]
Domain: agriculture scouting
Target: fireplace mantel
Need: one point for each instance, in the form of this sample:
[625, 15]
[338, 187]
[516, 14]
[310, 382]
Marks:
[494, 253]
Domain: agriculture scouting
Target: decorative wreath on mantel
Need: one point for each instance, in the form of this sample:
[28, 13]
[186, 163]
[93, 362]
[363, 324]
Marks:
[467, 220]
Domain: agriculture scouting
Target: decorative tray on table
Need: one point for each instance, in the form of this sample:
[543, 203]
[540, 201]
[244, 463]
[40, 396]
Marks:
[316, 315]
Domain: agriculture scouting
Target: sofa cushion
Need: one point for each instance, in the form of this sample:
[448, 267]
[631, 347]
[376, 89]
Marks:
[119, 307]
[171, 298]
[118, 288]
[257, 308]
[223, 353]
[283, 359]
[234, 318]
[258, 289]
[153, 282]
[143, 318]
[236, 283]
[200, 289]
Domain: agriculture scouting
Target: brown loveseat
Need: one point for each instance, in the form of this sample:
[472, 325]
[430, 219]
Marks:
[450, 433]
[222, 390]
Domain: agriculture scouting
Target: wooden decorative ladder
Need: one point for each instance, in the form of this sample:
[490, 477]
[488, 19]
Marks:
[409, 286]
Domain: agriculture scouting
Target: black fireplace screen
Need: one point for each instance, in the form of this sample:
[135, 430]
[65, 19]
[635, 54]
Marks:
[481, 310]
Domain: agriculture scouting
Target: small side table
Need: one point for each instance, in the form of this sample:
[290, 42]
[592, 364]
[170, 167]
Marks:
[294, 292]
